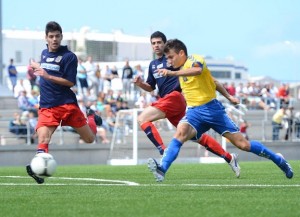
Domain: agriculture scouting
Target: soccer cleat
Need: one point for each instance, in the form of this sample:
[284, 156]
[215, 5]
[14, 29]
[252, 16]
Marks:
[153, 166]
[36, 178]
[97, 118]
[285, 167]
[235, 165]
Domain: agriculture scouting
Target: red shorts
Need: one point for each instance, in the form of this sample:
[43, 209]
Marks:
[173, 105]
[66, 115]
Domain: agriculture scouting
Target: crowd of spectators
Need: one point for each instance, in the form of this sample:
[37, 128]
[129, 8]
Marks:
[265, 96]
[108, 90]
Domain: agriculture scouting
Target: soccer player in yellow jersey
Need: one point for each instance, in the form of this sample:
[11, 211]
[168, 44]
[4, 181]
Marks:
[204, 111]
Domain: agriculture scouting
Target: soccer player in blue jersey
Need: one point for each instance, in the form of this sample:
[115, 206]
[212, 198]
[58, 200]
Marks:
[171, 104]
[204, 111]
[58, 104]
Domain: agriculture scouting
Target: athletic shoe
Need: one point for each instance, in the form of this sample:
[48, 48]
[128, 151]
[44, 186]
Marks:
[153, 166]
[97, 118]
[235, 165]
[286, 167]
[31, 173]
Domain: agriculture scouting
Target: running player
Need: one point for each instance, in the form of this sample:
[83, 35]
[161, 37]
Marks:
[172, 105]
[204, 111]
[58, 104]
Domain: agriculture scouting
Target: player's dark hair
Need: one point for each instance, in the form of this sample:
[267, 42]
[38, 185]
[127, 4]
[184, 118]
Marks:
[176, 45]
[159, 34]
[53, 26]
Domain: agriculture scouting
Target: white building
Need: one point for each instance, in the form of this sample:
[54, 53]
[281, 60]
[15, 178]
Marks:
[105, 48]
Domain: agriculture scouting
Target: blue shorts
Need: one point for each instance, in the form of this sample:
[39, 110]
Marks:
[207, 116]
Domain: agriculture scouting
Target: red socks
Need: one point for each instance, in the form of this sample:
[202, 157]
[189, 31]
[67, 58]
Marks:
[42, 148]
[154, 136]
[92, 123]
[213, 146]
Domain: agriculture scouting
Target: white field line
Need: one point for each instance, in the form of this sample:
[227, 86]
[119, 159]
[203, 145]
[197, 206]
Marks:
[128, 183]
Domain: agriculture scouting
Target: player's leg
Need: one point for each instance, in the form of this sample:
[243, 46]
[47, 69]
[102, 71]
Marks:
[93, 118]
[171, 152]
[221, 123]
[85, 127]
[44, 136]
[259, 149]
[86, 133]
[145, 120]
[48, 121]
[183, 133]
[214, 147]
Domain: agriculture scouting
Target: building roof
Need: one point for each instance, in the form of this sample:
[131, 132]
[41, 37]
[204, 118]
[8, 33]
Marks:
[85, 32]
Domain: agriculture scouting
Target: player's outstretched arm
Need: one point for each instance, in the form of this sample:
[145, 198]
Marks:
[220, 88]
[140, 83]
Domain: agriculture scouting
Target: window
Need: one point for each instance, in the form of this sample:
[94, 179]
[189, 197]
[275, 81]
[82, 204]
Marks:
[238, 75]
[221, 74]
[101, 50]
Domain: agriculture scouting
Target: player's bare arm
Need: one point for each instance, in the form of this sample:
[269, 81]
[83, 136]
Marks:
[183, 72]
[220, 88]
[139, 82]
[38, 71]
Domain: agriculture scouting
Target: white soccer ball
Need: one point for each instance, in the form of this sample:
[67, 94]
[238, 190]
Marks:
[43, 165]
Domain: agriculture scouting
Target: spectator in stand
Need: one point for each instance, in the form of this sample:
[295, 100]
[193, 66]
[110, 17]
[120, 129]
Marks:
[242, 93]
[225, 85]
[107, 76]
[255, 97]
[142, 101]
[277, 122]
[100, 78]
[119, 97]
[90, 68]
[268, 93]
[34, 99]
[114, 72]
[82, 77]
[18, 125]
[30, 75]
[127, 79]
[138, 72]
[297, 125]
[231, 89]
[125, 105]
[111, 100]
[23, 102]
[32, 121]
[288, 122]
[283, 94]
[111, 121]
[12, 74]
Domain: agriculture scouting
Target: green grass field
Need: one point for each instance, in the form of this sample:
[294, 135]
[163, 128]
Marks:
[128, 191]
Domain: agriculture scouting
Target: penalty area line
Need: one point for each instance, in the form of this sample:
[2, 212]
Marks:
[109, 181]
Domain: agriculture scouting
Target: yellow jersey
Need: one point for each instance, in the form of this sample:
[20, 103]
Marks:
[199, 89]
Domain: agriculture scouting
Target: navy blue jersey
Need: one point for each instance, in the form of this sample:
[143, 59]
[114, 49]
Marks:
[166, 84]
[62, 63]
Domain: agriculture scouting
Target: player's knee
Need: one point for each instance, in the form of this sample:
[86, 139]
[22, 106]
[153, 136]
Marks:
[43, 139]
[181, 136]
[89, 139]
[243, 145]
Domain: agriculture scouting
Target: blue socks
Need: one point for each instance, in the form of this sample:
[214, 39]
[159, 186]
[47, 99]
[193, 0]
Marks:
[260, 150]
[170, 154]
